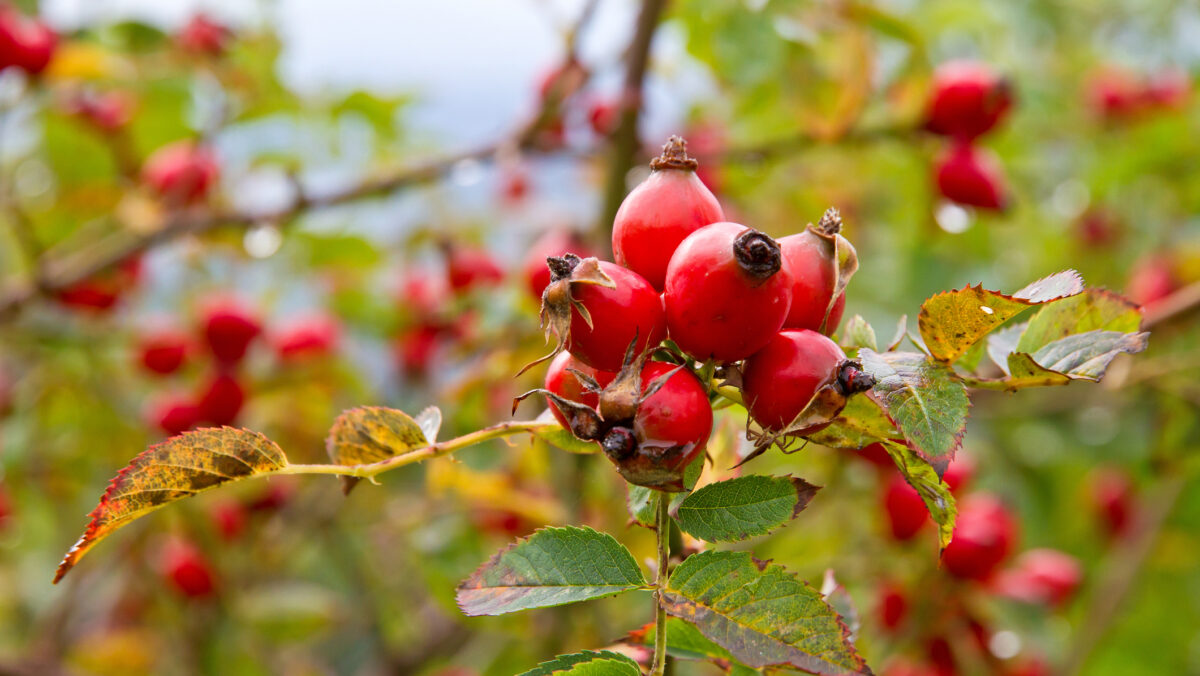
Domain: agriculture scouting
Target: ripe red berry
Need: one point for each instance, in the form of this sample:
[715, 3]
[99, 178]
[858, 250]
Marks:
[983, 537]
[906, 512]
[661, 212]
[181, 172]
[175, 415]
[25, 42]
[221, 400]
[306, 337]
[1116, 93]
[1045, 576]
[780, 380]
[203, 35]
[567, 385]
[415, 349]
[727, 292]
[1151, 280]
[468, 267]
[812, 259]
[973, 177]
[1113, 499]
[187, 570]
[554, 243]
[603, 116]
[959, 473]
[968, 99]
[163, 350]
[893, 606]
[620, 304]
[97, 295]
[229, 328]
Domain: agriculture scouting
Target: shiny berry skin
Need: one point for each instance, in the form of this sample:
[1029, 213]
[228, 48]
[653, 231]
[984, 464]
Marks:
[306, 338]
[181, 172]
[972, 177]
[553, 243]
[163, 351]
[968, 99]
[893, 606]
[468, 267]
[229, 327]
[1045, 576]
[781, 379]
[661, 212]
[25, 42]
[221, 400]
[565, 384]
[727, 292]
[203, 35]
[906, 512]
[187, 570]
[814, 273]
[632, 309]
[983, 537]
[175, 415]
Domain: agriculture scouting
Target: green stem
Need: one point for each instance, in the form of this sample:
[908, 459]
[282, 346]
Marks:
[418, 454]
[662, 528]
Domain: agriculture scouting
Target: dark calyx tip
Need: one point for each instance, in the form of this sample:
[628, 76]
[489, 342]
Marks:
[852, 379]
[674, 156]
[619, 443]
[757, 254]
[562, 266]
[830, 223]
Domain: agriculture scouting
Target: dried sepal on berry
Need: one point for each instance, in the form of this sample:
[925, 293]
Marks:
[841, 251]
[557, 300]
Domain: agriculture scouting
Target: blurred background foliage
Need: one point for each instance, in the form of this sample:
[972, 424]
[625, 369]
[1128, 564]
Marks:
[416, 293]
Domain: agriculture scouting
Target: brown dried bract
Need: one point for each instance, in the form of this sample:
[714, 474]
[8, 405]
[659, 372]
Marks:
[557, 300]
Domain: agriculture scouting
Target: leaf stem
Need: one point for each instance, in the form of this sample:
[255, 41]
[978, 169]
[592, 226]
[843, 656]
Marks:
[662, 529]
[418, 454]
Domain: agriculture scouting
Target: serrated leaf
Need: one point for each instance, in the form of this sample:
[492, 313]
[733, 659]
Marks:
[552, 567]
[839, 599]
[860, 334]
[588, 663]
[762, 614]
[1087, 355]
[1094, 310]
[639, 500]
[684, 641]
[923, 398]
[728, 511]
[933, 491]
[369, 434]
[952, 321]
[860, 424]
[177, 468]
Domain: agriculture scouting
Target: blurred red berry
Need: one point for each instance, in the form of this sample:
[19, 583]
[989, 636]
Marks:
[187, 570]
[959, 473]
[1151, 280]
[273, 497]
[941, 657]
[222, 399]
[229, 327]
[1044, 576]
[504, 523]
[984, 536]
[423, 295]
[229, 518]
[98, 295]
[973, 177]
[1116, 93]
[174, 414]
[514, 185]
[968, 99]
[182, 172]
[416, 347]
[905, 509]
[1113, 499]
[893, 606]
[25, 42]
[468, 267]
[203, 35]
[1169, 88]
[603, 116]
[552, 244]
[1097, 229]
[561, 82]
[164, 350]
[306, 337]
[106, 111]
[877, 455]
[6, 507]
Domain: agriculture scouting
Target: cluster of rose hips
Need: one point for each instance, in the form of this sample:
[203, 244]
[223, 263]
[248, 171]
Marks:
[1119, 95]
[689, 288]
[227, 328]
[968, 100]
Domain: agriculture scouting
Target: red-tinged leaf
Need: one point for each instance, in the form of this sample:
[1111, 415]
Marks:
[923, 398]
[178, 468]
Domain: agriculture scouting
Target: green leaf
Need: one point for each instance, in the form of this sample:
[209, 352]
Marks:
[1094, 310]
[933, 491]
[639, 500]
[860, 334]
[762, 614]
[923, 398]
[552, 567]
[684, 641]
[859, 425]
[952, 321]
[369, 434]
[588, 663]
[728, 511]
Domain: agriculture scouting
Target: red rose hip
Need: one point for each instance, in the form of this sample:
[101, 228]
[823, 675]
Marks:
[554, 243]
[905, 509]
[229, 328]
[968, 99]
[181, 172]
[661, 212]
[973, 177]
[561, 381]
[163, 351]
[727, 292]
[811, 257]
[983, 537]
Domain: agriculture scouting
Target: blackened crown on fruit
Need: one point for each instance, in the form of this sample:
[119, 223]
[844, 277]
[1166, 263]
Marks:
[757, 254]
[562, 266]
[619, 443]
[674, 156]
[851, 379]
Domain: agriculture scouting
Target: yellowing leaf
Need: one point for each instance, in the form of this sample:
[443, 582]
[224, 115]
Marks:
[369, 434]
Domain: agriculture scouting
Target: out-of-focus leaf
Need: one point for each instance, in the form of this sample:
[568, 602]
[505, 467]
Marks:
[860, 334]
[379, 112]
[588, 663]
[369, 434]
[728, 511]
[552, 567]
[178, 468]
[933, 491]
[1093, 310]
[290, 611]
[1087, 355]
[762, 614]
[839, 599]
[923, 398]
[337, 251]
